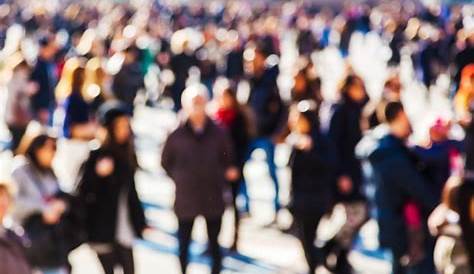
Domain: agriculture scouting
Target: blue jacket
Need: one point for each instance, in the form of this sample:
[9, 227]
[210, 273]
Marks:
[397, 181]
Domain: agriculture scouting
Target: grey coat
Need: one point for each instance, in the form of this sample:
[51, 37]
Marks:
[197, 162]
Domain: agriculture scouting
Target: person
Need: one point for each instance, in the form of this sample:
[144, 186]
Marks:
[307, 84]
[12, 252]
[269, 110]
[345, 130]
[450, 254]
[130, 79]
[312, 164]
[198, 157]
[18, 107]
[77, 122]
[45, 76]
[398, 180]
[231, 116]
[114, 216]
[40, 205]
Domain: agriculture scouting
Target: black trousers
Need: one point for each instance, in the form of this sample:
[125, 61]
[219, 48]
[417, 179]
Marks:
[185, 230]
[307, 226]
[119, 256]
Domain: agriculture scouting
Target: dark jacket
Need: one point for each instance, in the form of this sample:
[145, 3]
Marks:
[77, 112]
[100, 197]
[127, 82]
[197, 164]
[45, 76]
[312, 177]
[12, 254]
[345, 131]
[265, 101]
[397, 181]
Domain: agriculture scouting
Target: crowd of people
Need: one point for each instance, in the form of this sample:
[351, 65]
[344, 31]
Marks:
[240, 76]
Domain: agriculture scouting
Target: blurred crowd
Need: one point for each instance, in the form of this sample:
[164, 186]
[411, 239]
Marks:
[241, 76]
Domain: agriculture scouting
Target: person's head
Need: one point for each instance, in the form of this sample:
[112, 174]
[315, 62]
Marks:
[22, 69]
[115, 118]
[5, 201]
[439, 131]
[392, 89]
[194, 101]
[48, 48]
[303, 118]
[450, 192]
[41, 151]
[397, 120]
[353, 89]
[226, 97]
[255, 58]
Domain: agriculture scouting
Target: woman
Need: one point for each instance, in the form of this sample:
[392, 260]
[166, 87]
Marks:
[346, 131]
[77, 121]
[232, 117]
[307, 85]
[40, 204]
[18, 108]
[114, 216]
[312, 163]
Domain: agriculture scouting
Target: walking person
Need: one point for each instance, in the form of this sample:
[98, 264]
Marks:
[265, 101]
[231, 116]
[312, 164]
[398, 182]
[114, 216]
[346, 131]
[198, 157]
[40, 204]
[12, 251]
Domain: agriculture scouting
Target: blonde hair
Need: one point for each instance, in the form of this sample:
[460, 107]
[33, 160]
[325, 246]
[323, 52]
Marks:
[64, 87]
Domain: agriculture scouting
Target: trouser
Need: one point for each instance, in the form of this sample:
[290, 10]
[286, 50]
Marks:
[119, 256]
[235, 193]
[307, 227]
[268, 147]
[185, 230]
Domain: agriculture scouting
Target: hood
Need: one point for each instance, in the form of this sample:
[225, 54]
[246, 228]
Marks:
[371, 141]
[387, 147]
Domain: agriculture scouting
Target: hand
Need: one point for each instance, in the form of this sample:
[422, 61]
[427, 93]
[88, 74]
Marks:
[58, 206]
[304, 143]
[232, 174]
[104, 167]
[51, 217]
[32, 88]
[345, 184]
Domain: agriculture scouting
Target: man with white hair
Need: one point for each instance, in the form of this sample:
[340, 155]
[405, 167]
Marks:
[198, 157]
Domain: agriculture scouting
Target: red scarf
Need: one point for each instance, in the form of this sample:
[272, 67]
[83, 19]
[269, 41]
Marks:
[226, 117]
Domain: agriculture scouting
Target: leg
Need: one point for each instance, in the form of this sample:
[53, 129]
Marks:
[269, 147]
[235, 192]
[185, 230]
[108, 261]
[213, 230]
[307, 235]
[125, 258]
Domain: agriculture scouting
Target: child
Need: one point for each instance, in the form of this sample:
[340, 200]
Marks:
[12, 257]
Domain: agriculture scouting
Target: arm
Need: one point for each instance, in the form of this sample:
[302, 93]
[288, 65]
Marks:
[27, 199]
[167, 156]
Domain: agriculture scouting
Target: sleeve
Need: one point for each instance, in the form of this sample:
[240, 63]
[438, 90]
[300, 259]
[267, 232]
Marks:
[27, 202]
[227, 151]
[410, 181]
[336, 134]
[167, 156]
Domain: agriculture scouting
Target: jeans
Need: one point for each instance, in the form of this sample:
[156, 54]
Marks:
[119, 256]
[185, 230]
[268, 147]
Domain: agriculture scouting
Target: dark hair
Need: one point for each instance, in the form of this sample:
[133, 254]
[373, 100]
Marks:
[77, 82]
[392, 109]
[37, 143]
[309, 110]
[348, 82]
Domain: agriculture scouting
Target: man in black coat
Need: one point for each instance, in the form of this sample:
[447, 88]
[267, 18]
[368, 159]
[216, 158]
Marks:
[198, 157]
[398, 180]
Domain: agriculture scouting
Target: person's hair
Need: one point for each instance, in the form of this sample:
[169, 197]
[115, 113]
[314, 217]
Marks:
[31, 151]
[123, 152]
[348, 82]
[392, 109]
[309, 110]
[449, 195]
[77, 81]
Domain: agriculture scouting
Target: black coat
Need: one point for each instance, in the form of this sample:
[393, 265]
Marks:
[197, 164]
[312, 177]
[397, 181]
[345, 131]
[100, 197]
[44, 75]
